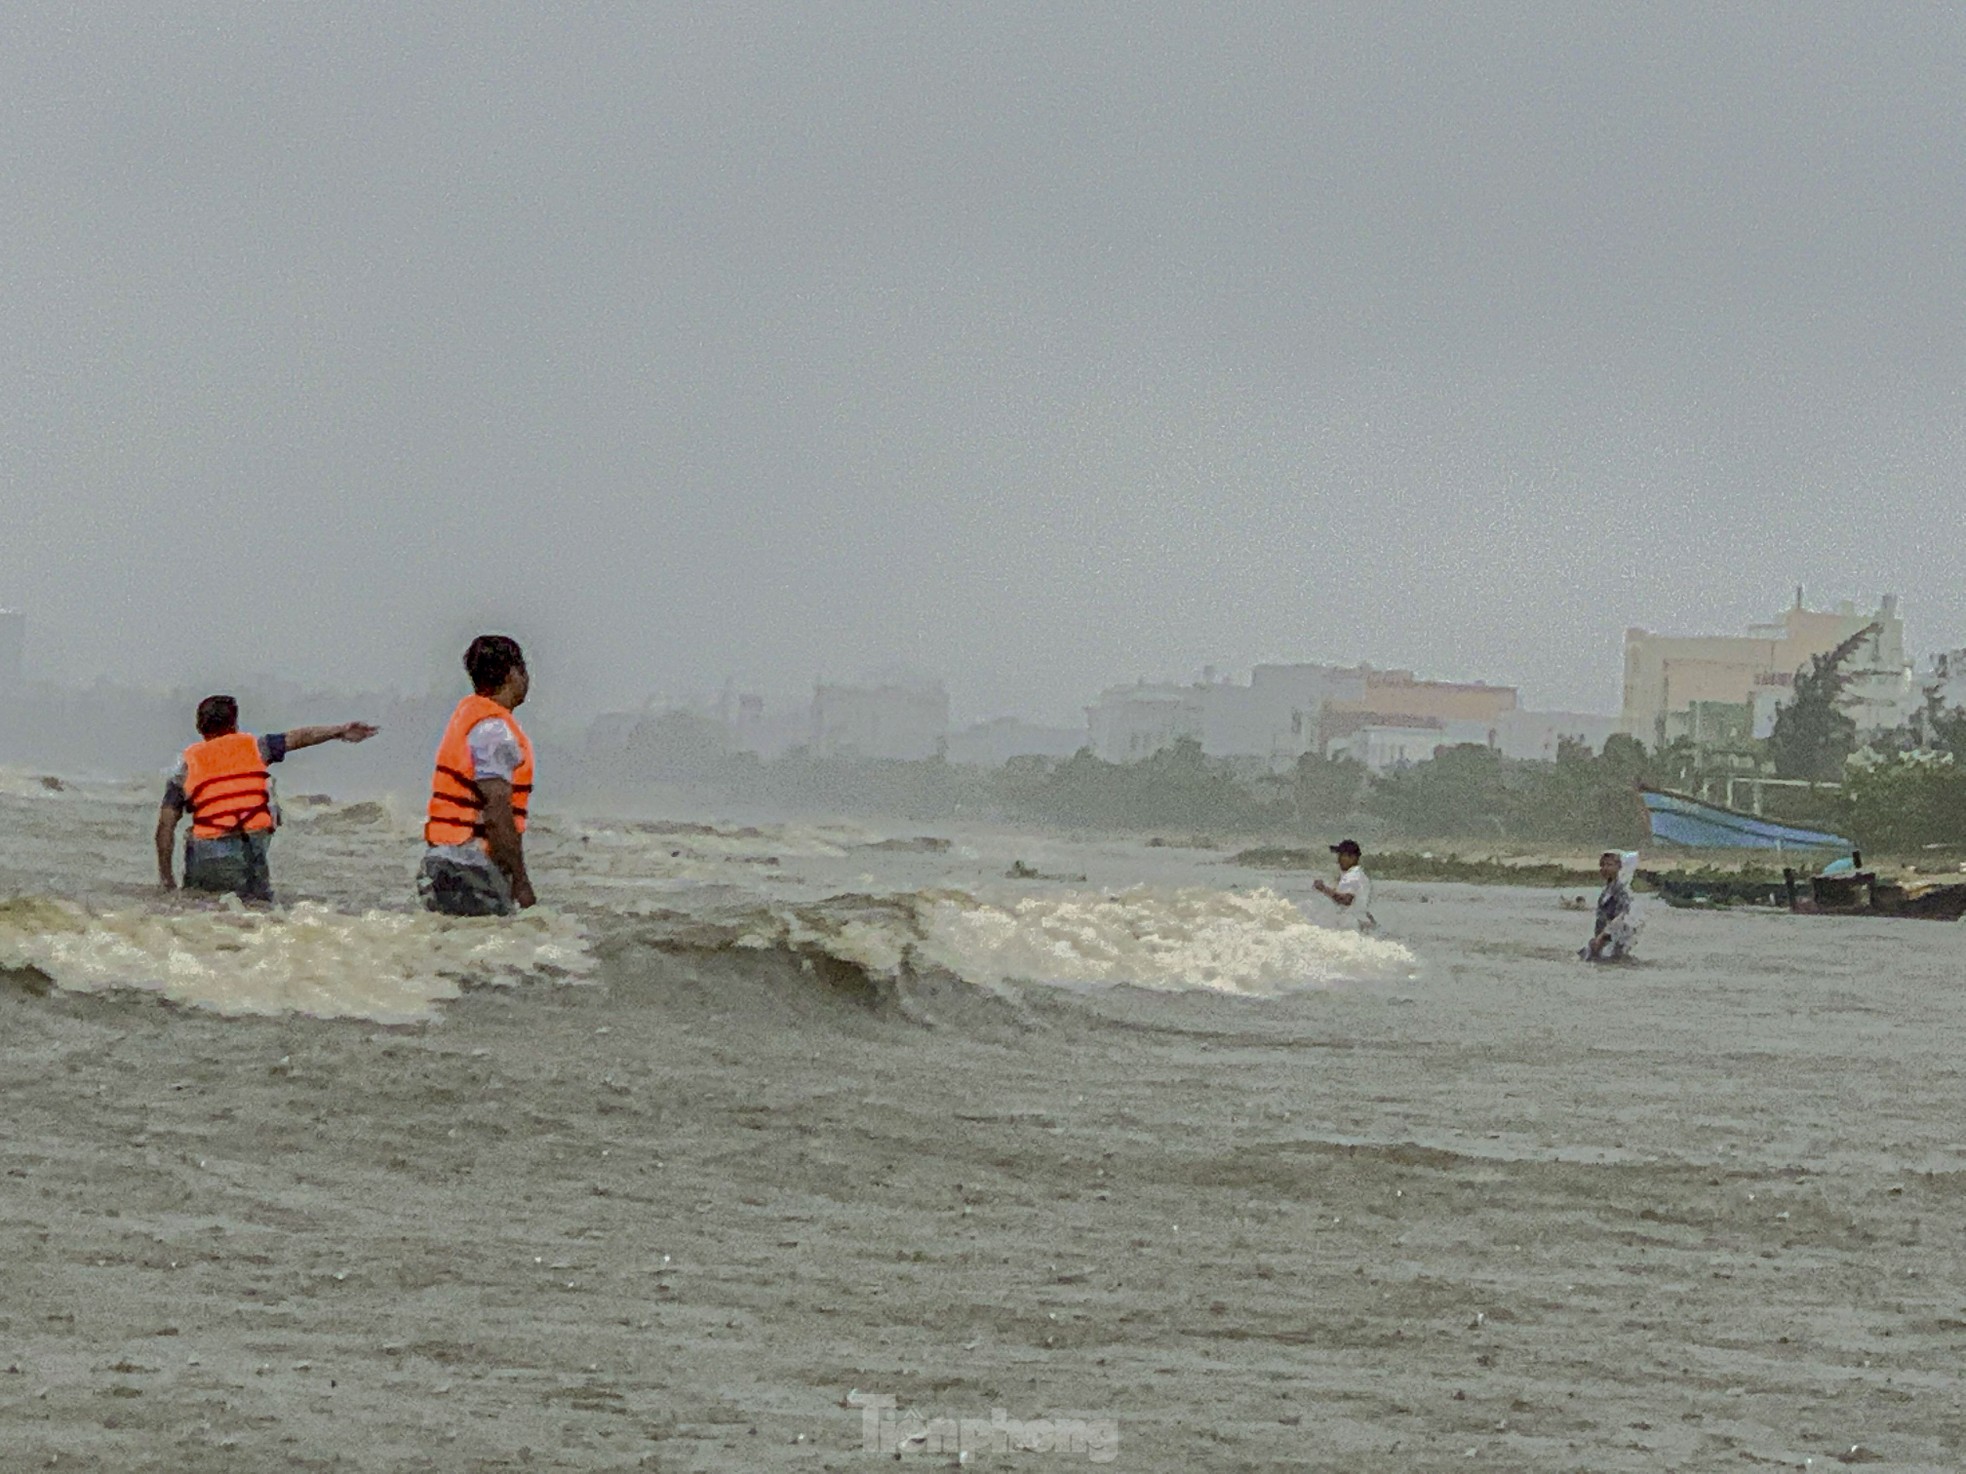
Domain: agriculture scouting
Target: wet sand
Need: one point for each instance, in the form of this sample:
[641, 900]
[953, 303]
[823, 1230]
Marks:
[1513, 1213]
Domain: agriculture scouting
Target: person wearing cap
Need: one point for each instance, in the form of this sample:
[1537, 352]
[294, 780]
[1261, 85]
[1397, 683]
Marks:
[1353, 892]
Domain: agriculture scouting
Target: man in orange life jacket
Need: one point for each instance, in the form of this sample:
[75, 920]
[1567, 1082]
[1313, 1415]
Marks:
[475, 861]
[223, 781]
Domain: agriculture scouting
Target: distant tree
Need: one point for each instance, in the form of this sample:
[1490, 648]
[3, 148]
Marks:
[1625, 753]
[1327, 789]
[1904, 800]
[1675, 764]
[1177, 786]
[1940, 728]
[1459, 791]
[1813, 734]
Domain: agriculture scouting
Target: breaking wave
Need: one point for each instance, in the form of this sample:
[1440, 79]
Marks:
[1248, 944]
[390, 967]
[1254, 943]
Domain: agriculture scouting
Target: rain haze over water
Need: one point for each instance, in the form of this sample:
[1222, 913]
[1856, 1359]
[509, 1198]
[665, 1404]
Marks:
[718, 351]
[1036, 347]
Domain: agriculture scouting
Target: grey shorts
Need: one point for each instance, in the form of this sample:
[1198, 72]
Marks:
[457, 888]
[235, 864]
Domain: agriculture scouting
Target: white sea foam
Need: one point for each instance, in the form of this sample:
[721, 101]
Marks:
[1255, 943]
[1252, 943]
[391, 967]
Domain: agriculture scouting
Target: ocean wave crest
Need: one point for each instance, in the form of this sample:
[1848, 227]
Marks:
[1250, 944]
[389, 967]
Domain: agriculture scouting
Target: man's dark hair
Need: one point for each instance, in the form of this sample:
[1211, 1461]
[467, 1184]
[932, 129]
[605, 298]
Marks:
[491, 659]
[217, 715]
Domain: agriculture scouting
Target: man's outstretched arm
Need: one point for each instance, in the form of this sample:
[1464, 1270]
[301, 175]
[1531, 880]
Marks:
[299, 737]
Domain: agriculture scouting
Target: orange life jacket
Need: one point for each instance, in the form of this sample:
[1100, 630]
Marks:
[457, 807]
[227, 787]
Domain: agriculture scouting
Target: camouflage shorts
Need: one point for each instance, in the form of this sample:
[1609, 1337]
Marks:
[235, 863]
[456, 888]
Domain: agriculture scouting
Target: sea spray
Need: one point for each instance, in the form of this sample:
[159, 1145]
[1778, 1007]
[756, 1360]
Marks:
[1254, 943]
[1169, 939]
[387, 966]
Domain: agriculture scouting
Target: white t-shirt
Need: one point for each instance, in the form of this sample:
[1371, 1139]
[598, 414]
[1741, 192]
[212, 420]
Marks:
[494, 749]
[1358, 885]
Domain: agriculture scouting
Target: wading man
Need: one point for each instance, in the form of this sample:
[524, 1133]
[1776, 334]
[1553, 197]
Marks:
[1352, 895]
[475, 863]
[1614, 930]
[223, 782]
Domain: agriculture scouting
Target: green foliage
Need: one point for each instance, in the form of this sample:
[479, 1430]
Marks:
[1905, 800]
[1467, 792]
[1937, 728]
[1177, 787]
[1461, 791]
[1328, 790]
[1813, 735]
[1581, 797]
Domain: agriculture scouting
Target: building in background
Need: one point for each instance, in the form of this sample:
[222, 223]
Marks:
[1288, 711]
[1385, 749]
[898, 716]
[1533, 736]
[1274, 718]
[1673, 684]
[1947, 682]
[1460, 711]
[1128, 723]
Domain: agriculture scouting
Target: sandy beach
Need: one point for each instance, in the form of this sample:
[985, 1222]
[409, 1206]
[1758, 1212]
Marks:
[686, 1205]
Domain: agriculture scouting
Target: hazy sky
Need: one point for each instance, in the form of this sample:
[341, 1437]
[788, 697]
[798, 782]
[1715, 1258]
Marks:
[1039, 347]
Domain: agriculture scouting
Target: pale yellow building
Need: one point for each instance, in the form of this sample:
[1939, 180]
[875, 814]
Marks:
[1671, 679]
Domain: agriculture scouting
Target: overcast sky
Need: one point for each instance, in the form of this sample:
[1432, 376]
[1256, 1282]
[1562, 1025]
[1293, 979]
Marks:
[1037, 347]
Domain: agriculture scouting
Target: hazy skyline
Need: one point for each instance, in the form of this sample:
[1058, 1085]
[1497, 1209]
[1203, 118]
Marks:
[1039, 348]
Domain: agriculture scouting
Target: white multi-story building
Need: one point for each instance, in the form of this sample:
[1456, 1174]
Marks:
[1275, 717]
[898, 718]
[1385, 749]
[1129, 723]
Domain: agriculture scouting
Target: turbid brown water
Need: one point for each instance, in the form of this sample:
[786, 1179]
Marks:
[1496, 1210]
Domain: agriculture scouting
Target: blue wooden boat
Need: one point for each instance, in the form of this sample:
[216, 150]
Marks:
[1680, 819]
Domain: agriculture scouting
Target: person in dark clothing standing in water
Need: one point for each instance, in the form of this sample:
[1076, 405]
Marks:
[475, 862]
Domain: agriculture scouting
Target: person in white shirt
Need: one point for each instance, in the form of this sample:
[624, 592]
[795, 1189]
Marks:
[474, 863]
[1353, 892]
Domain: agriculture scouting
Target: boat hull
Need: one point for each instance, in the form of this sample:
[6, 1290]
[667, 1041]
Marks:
[1864, 894]
[1678, 818]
